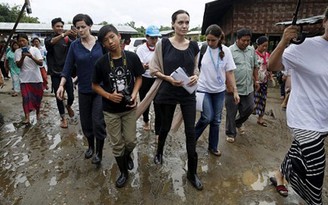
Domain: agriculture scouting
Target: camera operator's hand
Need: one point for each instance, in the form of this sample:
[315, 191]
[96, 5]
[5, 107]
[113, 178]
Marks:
[115, 97]
[28, 54]
[133, 101]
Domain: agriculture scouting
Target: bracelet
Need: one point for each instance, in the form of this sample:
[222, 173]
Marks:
[257, 81]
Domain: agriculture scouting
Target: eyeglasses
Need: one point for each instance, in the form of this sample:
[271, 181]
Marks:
[153, 37]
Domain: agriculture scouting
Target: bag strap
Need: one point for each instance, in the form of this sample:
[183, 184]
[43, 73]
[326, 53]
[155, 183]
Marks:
[201, 54]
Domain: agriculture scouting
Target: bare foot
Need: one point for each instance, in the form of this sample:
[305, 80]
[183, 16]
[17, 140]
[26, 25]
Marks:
[146, 126]
[279, 178]
[63, 123]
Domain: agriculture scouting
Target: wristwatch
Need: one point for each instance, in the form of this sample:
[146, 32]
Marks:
[63, 35]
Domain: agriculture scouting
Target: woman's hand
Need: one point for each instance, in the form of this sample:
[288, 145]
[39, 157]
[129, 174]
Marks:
[193, 80]
[174, 82]
[60, 92]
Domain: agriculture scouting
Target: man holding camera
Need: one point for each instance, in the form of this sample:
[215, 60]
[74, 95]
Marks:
[57, 46]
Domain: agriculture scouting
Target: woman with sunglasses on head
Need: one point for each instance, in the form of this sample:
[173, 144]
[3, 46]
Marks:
[83, 53]
[145, 53]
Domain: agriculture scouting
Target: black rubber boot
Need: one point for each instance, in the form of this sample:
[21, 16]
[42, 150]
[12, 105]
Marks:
[122, 165]
[192, 172]
[99, 152]
[129, 160]
[88, 154]
[158, 159]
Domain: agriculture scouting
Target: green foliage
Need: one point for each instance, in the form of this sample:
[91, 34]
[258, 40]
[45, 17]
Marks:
[103, 23]
[9, 14]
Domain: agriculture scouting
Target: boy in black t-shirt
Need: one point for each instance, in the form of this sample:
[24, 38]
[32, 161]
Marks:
[117, 78]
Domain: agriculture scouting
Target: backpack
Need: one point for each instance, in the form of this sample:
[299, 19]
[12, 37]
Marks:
[201, 54]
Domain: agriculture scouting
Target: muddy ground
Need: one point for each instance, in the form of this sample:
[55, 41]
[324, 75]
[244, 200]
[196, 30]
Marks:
[44, 164]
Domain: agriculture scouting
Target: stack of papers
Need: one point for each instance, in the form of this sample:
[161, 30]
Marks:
[180, 74]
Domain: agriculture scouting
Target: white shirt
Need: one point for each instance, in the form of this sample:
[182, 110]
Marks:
[30, 71]
[212, 78]
[145, 56]
[308, 102]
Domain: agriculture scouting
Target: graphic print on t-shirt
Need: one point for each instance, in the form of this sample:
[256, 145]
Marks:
[120, 78]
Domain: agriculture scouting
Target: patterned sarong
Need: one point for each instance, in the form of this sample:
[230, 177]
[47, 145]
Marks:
[260, 99]
[32, 95]
[304, 165]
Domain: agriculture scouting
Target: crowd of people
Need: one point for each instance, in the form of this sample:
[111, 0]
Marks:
[110, 79]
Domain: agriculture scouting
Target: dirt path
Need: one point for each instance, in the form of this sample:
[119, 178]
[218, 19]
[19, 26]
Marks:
[43, 164]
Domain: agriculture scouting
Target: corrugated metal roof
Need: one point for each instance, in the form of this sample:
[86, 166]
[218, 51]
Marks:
[194, 33]
[214, 11]
[36, 27]
[305, 21]
[166, 32]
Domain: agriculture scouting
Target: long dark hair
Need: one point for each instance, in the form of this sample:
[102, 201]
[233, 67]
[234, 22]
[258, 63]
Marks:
[216, 31]
[175, 15]
[82, 17]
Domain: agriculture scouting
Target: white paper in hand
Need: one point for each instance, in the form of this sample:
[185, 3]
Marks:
[180, 74]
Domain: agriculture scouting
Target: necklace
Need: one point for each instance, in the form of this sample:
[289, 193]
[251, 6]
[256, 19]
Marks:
[119, 76]
[150, 48]
[111, 62]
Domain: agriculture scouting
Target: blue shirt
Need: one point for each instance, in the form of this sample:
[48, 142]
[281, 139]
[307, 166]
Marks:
[84, 60]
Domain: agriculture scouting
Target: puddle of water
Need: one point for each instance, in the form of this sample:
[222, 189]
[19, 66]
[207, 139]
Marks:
[204, 168]
[177, 176]
[263, 203]
[260, 183]
[257, 181]
[20, 179]
[79, 136]
[18, 139]
[56, 140]
[53, 181]
[5, 154]
[24, 160]
[9, 128]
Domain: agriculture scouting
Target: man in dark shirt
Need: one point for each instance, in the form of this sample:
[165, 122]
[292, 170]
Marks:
[57, 46]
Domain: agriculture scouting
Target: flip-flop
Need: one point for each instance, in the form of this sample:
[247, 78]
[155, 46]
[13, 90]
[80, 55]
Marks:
[264, 124]
[216, 153]
[281, 189]
[230, 139]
